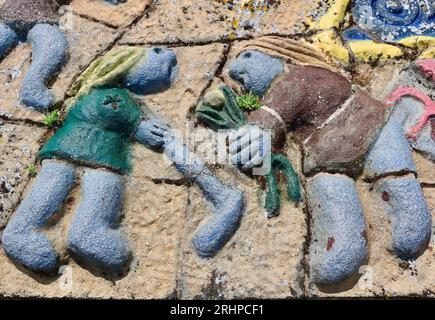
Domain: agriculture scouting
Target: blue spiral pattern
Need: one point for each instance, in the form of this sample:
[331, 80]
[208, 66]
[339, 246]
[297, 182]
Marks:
[391, 20]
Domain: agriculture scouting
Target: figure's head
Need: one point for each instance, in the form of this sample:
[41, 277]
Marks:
[256, 70]
[155, 72]
[141, 70]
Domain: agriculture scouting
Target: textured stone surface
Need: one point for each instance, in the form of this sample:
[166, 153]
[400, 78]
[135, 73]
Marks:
[195, 74]
[266, 258]
[342, 143]
[204, 21]
[263, 259]
[86, 41]
[385, 275]
[8, 39]
[119, 15]
[152, 224]
[393, 20]
[19, 145]
[256, 70]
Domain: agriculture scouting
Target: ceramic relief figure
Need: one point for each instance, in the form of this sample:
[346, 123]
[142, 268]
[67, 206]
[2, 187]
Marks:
[372, 30]
[392, 20]
[36, 22]
[103, 121]
[345, 134]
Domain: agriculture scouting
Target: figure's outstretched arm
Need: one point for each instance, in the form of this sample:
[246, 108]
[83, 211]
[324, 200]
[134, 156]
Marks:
[152, 131]
[227, 201]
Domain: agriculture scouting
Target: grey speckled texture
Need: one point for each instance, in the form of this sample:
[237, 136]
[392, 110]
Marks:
[154, 73]
[256, 70]
[49, 54]
[227, 202]
[227, 208]
[22, 238]
[8, 38]
[151, 132]
[95, 236]
[410, 215]
[179, 154]
[338, 244]
[410, 110]
[391, 152]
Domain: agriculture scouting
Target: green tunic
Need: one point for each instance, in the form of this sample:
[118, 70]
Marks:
[98, 131]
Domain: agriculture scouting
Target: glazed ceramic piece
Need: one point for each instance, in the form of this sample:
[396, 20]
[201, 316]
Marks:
[411, 218]
[221, 111]
[97, 134]
[392, 20]
[141, 70]
[49, 54]
[36, 22]
[338, 125]
[379, 25]
[338, 245]
[23, 239]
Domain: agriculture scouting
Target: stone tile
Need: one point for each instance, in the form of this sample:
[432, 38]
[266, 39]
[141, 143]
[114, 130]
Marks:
[385, 275]
[204, 21]
[19, 145]
[425, 169]
[153, 221]
[119, 15]
[197, 68]
[87, 40]
[262, 260]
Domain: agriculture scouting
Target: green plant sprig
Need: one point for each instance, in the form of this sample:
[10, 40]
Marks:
[249, 102]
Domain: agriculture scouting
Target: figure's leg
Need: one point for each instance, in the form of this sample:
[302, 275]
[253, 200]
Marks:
[8, 39]
[227, 202]
[338, 245]
[390, 163]
[94, 234]
[23, 239]
[49, 54]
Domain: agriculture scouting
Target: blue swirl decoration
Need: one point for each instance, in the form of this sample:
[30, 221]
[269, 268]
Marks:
[392, 20]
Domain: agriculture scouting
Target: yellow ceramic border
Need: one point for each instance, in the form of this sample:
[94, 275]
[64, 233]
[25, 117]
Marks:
[328, 41]
[368, 50]
[428, 54]
[364, 50]
[418, 42]
[333, 17]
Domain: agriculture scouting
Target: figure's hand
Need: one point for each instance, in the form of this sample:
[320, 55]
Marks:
[152, 132]
[249, 146]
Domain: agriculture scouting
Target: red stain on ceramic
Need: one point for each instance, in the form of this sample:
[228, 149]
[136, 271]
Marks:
[330, 243]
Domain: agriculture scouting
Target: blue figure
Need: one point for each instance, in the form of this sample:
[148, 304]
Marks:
[36, 21]
[101, 124]
[295, 100]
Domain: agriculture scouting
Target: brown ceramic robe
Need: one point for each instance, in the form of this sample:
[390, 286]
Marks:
[335, 121]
